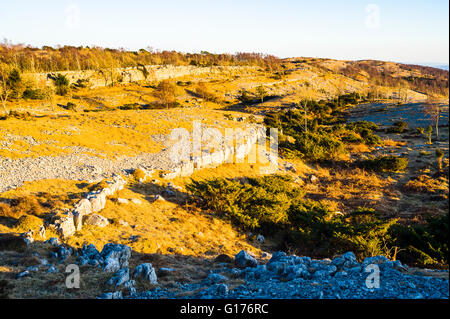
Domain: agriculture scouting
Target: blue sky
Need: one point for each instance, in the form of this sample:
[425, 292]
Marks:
[405, 31]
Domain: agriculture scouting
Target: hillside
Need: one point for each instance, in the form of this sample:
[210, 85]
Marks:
[86, 159]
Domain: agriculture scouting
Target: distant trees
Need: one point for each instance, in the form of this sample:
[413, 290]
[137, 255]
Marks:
[48, 59]
[422, 79]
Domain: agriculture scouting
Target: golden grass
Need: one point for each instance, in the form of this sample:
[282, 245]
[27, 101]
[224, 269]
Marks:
[162, 227]
[426, 184]
[349, 188]
[393, 143]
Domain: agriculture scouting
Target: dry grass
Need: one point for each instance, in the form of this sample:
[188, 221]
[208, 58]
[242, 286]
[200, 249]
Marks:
[393, 143]
[427, 184]
[347, 189]
[29, 205]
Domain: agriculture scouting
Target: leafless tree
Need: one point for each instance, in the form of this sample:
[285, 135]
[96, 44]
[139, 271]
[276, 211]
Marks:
[433, 108]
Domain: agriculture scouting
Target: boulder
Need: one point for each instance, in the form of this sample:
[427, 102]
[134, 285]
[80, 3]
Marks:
[120, 253]
[122, 201]
[111, 295]
[215, 279]
[111, 265]
[136, 201]
[96, 220]
[53, 241]
[28, 237]
[120, 278]
[83, 207]
[98, 201]
[146, 272]
[159, 198]
[260, 239]
[243, 260]
[65, 226]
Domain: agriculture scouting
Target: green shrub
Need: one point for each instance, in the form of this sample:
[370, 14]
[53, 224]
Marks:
[361, 125]
[62, 84]
[71, 106]
[318, 146]
[260, 203]
[390, 163]
[273, 203]
[34, 94]
[398, 127]
[244, 97]
[423, 244]
[317, 230]
[365, 130]
[352, 138]
[130, 106]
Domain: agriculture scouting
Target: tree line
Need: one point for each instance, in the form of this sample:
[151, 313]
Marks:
[49, 59]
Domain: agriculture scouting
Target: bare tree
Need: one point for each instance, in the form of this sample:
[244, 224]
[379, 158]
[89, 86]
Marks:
[304, 107]
[433, 109]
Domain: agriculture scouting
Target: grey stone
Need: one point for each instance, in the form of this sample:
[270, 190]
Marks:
[120, 253]
[243, 260]
[216, 278]
[96, 220]
[147, 272]
[120, 278]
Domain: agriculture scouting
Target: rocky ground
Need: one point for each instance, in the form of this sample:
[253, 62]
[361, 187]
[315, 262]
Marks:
[244, 276]
[76, 166]
[293, 277]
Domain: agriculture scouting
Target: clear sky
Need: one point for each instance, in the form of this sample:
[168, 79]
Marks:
[410, 31]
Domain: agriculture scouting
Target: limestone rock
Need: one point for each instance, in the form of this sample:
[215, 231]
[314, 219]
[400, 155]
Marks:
[96, 220]
[121, 253]
[146, 272]
[120, 278]
[243, 260]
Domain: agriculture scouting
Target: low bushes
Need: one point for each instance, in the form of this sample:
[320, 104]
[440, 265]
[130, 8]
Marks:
[260, 203]
[318, 231]
[398, 127]
[389, 163]
[317, 146]
[203, 91]
[274, 203]
[365, 130]
[325, 136]
[424, 244]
